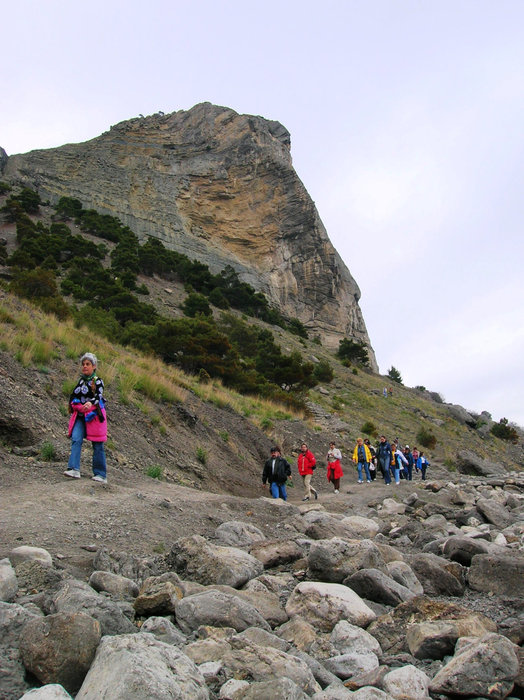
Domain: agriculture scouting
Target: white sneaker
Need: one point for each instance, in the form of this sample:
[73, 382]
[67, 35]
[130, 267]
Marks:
[360, 481]
[336, 490]
[100, 479]
[73, 473]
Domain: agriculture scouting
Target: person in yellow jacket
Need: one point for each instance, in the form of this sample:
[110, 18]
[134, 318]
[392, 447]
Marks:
[362, 458]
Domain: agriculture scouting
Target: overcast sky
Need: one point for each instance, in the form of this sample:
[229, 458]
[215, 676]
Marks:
[407, 129]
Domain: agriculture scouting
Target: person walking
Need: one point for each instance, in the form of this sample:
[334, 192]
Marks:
[384, 459]
[362, 458]
[415, 455]
[276, 472]
[423, 465]
[373, 462]
[88, 420]
[334, 467]
[408, 468]
[306, 464]
[397, 459]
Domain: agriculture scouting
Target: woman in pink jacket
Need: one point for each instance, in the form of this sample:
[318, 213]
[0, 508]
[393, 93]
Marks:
[88, 420]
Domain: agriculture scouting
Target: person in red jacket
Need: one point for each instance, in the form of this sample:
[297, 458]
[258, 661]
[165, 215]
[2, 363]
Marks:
[306, 464]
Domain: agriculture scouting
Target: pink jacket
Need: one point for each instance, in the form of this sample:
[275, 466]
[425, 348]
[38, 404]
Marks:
[96, 430]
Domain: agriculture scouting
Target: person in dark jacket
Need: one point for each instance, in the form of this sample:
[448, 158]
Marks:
[277, 471]
[408, 468]
[384, 458]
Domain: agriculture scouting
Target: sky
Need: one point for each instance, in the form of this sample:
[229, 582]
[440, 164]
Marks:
[407, 129]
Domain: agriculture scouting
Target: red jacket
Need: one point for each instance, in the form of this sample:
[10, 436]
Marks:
[306, 462]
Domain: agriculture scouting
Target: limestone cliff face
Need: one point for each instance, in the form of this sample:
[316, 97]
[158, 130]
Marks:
[219, 187]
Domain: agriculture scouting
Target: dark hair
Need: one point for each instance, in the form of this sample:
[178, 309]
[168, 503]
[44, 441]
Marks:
[275, 448]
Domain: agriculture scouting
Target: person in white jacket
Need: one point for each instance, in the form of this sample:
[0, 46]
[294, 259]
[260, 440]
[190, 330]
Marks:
[397, 458]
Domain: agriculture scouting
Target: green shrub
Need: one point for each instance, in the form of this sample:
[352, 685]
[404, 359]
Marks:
[4, 188]
[323, 371]
[201, 455]
[196, 303]
[394, 375]
[155, 472]
[426, 438]
[369, 428]
[224, 435]
[351, 350]
[504, 431]
[48, 452]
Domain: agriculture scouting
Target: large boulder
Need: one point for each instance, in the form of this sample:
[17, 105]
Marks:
[25, 553]
[470, 463]
[60, 648]
[114, 584]
[76, 596]
[195, 558]
[495, 513]
[463, 549]
[217, 609]
[485, 667]
[157, 596]
[13, 619]
[437, 575]
[235, 533]
[500, 574]
[407, 682]
[335, 559]
[325, 604]
[276, 552]
[139, 666]
[52, 691]
[8, 581]
[390, 630]
[377, 586]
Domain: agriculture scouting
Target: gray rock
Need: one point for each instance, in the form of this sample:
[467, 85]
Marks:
[377, 586]
[431, 640]
[435, 578]
[407, 682]
[298, 632]
[24, 553]
[322, 525]
[335, 559]
[52, 691]
[461, 415]
[402, 573]
[346, 638]
[157, 597]
[352, 664]
[500, 574]
[470, 463]
[276, 553]
[263, 638]
[13, 618]
[75, 596]
[494, 513]
[60, 648]
[486, 667]
[139, 666]
[364, 527]
[390, 629]
[463, 549]
[195, 558]
[266, 663]
[369, 693]
[164, 630]
[320, 672]
[124, 564]
[281, 688]
[230, 688]
[235, 533]
[218, 609]
[335, 691]
[8, 581]
[117, 586]
[325, 604]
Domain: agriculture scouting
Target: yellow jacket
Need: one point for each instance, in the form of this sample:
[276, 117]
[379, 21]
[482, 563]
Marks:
[366, 452]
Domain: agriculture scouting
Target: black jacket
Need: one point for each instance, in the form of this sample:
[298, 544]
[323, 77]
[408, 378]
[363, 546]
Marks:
[281, 473]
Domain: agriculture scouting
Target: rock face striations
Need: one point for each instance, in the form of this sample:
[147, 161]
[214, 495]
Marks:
[219, 187]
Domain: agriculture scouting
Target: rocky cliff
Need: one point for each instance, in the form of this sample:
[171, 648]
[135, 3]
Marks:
[219, 187]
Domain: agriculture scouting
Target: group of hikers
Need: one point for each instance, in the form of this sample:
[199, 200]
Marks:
[88, 421]
[393, 462]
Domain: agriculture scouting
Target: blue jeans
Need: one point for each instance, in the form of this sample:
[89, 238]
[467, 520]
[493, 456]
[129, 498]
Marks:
[366, 468]
[408, 472]
[278, 490]
[99, 456]
[384, 465]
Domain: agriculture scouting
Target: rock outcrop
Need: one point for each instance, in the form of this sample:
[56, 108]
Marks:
[219, 187]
